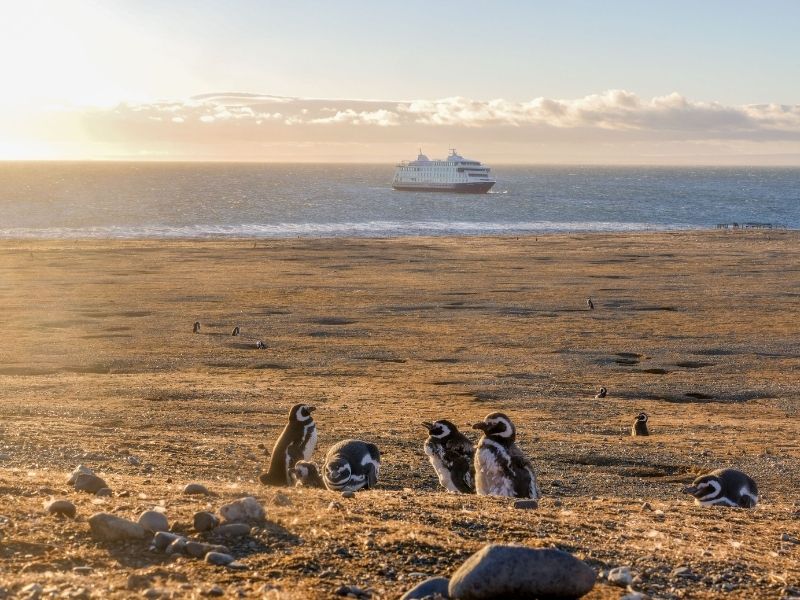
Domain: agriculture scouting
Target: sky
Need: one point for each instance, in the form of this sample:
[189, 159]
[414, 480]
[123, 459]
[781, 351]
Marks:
[629, 82]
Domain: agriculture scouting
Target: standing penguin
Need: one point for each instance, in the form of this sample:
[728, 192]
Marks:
[501, 469]
[452, 455]
[724, 487]
[296, 442]
[351, 465]
[640, 425]
[196, 327]
[260, 345]
[235, 331]
[590, 304]
[306, 474]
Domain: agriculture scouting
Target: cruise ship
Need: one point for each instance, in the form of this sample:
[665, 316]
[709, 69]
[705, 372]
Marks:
[453, 174]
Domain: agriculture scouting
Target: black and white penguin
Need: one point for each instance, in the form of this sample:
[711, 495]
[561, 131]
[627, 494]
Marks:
[640, 425]
[306, 474]
[196, 327]
[602, 392]
[296, 442]
[501, 469]
[235, 331]
[261, 345]
[351, 465]
[724, 487]
[590, 304]
[452, 455]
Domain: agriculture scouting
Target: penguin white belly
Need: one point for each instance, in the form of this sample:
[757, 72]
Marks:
[308, 450]
[490, 476]
[441, 471]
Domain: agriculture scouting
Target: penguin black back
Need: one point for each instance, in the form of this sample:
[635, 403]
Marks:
[640, 425]
[724, 487]
[296, 442]
[452, 455]
[235, 331]
[351, 465]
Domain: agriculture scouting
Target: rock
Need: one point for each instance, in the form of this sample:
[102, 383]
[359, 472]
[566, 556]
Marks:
[429, 587]
[205, 521]
[634, 596]
[132, 460]
[163, 539]
[124, 494]
[786, 537]
[60, 507]
[103, 492]
[195, 489]
[153, 521]
[526, 504]
[281, 500]
[243, 510]
[109, 528]
[32, 590]
[348, 494]
[232, 530]
[77, 471]
[219, 558]
[200, 549]
[684, 573]
[178, 546]
[335, 505]
[215, 591]
[646, 506]
[85, 570]
[522, 573]
[620, 576]
[88, 482]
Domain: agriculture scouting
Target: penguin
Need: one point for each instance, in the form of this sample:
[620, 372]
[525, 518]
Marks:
[351, 465]
[296, 442]
[590, 304]
[640, 425]
[196, 327]
[501, 469]
[261, 345]
[724, 487]
[306, 474]
[452, 455]
[601, 393]
[235, 331]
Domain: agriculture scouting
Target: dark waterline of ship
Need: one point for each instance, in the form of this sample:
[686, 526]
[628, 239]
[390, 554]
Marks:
[130, 200]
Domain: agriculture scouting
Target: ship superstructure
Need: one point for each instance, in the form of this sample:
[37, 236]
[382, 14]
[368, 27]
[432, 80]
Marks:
[453, 174]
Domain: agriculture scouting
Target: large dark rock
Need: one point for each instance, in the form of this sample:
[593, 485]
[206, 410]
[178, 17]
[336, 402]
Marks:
[60, 507]
[428, 589]
[88, 482]
[521, 573]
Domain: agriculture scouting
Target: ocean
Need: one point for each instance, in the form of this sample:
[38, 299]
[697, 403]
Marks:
[130, 200]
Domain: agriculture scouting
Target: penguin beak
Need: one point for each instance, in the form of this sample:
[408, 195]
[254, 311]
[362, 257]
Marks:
[311, 408]
[692, 489]
[482, 426]
[427, 425]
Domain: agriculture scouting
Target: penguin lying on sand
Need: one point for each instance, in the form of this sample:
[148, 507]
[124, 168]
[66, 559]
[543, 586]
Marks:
[296, 442]
[452, 455]
[639, 426]
[724, 487]
[501, 469]
[602, 392]
[306, 474]
[351, 465]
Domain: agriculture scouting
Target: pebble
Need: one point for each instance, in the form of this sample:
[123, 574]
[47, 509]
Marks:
[162, 539]
[153, 521]
[786, 537]
[335, 505]
[232, 530]
[429, 587]
[132, 460]
[60, 507]
[243, 510]
[177, 546]
[204, 521]
[219, 558]
[200, 549]
[526, 504]
[214, 591]
[104, 491]
[646, 506]
[195, 488]
[348, 494]
[88, 482]
[620, 576]
[352, 590]
[110, 527]
[684, 573]
[77, 471]
[32, 590]
[82, 570]
[634, 596]
[281, 500]
[498, 571]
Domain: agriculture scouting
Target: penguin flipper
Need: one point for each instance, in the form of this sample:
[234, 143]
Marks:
[371, 476]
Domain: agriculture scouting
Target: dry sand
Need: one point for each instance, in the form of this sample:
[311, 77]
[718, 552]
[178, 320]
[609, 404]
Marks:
[98, 362]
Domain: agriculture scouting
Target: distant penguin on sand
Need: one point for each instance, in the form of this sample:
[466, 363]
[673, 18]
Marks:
[501, 469]
[351, 465]
[601, 393]
[306, 474]
[235, 331]
[590, 304]
[724, 487]
[452, 455]
[196, 327]
[639, 426]
[261, 345]
[296, 442]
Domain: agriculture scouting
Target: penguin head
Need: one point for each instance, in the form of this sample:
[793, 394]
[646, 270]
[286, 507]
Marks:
[440, 429]
[642, 417]
[706, 487]
[304, 469]
[338, 471]
[302, 413]
[498, 426]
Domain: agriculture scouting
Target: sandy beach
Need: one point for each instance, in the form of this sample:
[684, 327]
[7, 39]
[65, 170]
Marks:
[98, 363]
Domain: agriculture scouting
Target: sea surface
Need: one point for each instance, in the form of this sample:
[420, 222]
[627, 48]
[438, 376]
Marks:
[128, 200]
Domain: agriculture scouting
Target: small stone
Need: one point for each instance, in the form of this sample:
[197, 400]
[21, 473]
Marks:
[281, 500]
[80, 469]
[646, 507]
[348, 494]
[620, 576]
[219, 558]
[786, 537]
[124, 494]
[195, 489]
[88, 482]
[178, 546]
[200, 549]
[556, 483]
[205, 521]
[352, 590]
[498, 571]
[215, 591]
[110, 527]
[526, 504]
[335, 505]
[243, 510]
[153, 593]
[132, 460]
[429, 587]
[684, 573]
[231, 530]
[60, 507]
[163, 539]
[85, 570]
[103, 492]
[31, 591]
[634, 596]
[153, 521]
